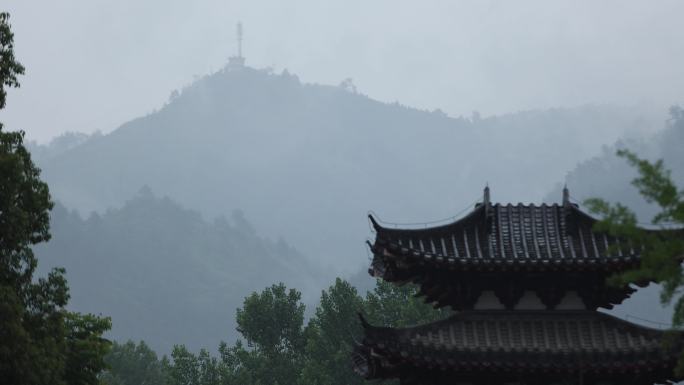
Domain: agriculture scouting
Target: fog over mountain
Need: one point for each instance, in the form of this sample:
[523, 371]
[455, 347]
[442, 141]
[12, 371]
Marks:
[306, 162]
[607, 176]
[164, 274]
[95, 64]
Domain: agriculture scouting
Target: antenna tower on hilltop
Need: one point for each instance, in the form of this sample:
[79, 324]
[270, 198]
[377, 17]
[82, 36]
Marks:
[239, 38]
[235, 62]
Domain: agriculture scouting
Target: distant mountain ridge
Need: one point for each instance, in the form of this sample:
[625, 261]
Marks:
[166, 275]
[306, 162]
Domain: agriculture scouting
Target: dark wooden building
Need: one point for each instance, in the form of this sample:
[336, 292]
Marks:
[526, 283]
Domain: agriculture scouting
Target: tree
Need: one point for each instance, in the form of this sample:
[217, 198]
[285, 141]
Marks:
[398, 306]
[86, 349]
[335, 328]
[242, 366]
[10, 68]
[40, 342]
[133, 364]
[279, 349]
[272, 322]
[662, 250]
[31, 333]
[190, 369]
[331, 335]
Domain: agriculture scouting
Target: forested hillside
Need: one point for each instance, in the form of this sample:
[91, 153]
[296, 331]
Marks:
[306, 162]
[165, 274]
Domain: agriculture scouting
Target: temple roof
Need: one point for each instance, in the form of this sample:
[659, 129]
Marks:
[504, 236]
[502, 341]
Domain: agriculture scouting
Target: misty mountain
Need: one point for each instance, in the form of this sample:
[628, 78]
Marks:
[58, 145]
[306, 162]
[166, 275]
[609, 177]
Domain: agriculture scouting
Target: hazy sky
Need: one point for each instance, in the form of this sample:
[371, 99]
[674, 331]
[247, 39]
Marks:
[94, 64]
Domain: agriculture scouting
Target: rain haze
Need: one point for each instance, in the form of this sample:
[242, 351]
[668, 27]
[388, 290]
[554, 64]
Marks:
[222, 170]
[93, 65]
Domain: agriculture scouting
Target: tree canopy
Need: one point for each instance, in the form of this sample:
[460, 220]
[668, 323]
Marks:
[662, 248]
[40, 342]
[10, 68]
[280, 347]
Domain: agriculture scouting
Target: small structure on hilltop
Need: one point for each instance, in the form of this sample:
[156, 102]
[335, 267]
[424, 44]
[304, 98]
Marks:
[525, 282]
[237, 61]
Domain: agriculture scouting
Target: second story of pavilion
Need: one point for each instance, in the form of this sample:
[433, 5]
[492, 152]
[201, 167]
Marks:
[505, 254]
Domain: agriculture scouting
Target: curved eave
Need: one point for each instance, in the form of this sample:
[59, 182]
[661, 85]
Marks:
[386, 351]
[494, 237]
[382, 230]
[479, 212]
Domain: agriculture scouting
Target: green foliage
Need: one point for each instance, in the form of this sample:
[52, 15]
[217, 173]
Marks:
[10, 68]
[397, 306]
[40, 342]
[242, 366]
[662, 250]
[330, 337]
[272, 322]
[86, 348]
[24, 206]
[30, 344]
[31, 321]
[190, 369]
[133, 364]
[655, 185]
[279, 349]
